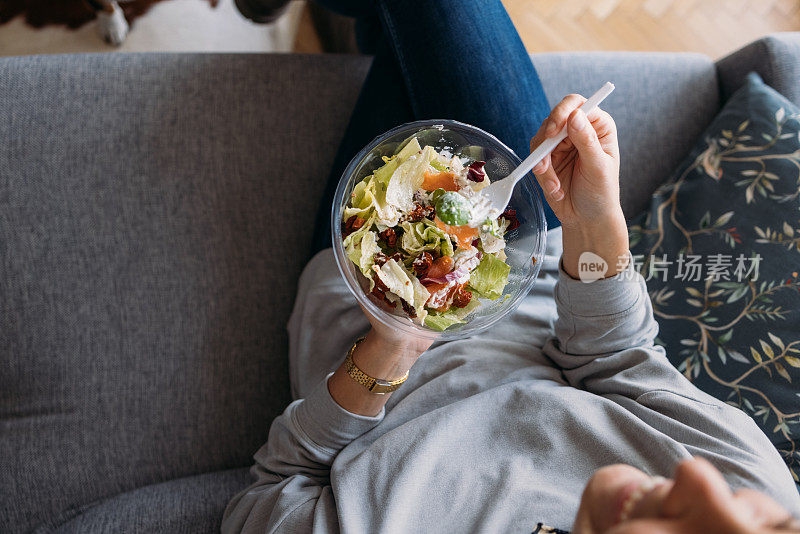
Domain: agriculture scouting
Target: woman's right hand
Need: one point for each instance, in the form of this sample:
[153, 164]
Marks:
[580, 181]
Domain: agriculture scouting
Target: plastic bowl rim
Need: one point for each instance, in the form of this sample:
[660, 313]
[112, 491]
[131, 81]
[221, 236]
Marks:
[393, 321]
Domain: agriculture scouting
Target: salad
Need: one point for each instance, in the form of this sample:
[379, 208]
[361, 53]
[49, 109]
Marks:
[411, 228]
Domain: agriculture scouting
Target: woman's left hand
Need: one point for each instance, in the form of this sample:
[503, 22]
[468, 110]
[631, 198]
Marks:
[398, 351]
[386, 353]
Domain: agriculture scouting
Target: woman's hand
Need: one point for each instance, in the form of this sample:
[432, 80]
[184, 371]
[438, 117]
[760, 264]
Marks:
[395, 351]
[580, 178]
[580, 181]
[387, 354]
[622, 499]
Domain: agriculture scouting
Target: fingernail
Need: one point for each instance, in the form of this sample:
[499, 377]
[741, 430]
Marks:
[579, 120]
[551, 128]
[553, 187]
[557, 195]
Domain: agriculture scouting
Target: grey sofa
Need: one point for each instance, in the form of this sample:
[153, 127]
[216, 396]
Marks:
[154, 219]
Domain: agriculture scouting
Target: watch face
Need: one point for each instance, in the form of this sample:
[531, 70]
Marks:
[380, 387]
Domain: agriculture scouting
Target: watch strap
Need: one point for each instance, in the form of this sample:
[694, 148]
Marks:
[374, 385]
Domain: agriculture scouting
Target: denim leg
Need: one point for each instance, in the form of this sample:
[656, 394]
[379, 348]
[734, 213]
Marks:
[381, 105]
[463, 60]
[441, 59]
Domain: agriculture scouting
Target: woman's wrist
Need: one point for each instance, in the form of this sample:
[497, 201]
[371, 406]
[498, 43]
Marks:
[379, 357]
[606, 238]
[383, 358]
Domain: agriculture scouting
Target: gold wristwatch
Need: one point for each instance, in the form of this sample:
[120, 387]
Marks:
[374, 385]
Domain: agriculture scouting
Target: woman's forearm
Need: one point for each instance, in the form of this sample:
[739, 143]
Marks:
[379, 359]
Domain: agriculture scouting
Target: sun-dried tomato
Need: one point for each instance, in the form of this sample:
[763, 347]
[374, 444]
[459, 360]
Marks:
[380, 285]
[408, 308]
[443, 296]
[462, 297]
[382, 296]
[422, 263]
[415, 214]
[380, 259]
[397, 256]
[390, 236]
[420, 212]
[475, 171]
[511, 216]
[353, 223]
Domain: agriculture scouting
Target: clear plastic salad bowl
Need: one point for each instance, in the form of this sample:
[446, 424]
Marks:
[525, 245]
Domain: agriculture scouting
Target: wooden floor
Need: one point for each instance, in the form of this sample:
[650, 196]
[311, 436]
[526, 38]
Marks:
[712, 27]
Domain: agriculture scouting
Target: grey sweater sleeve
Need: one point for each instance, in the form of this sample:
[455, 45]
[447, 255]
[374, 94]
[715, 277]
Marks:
[604, 344]
[292, 491]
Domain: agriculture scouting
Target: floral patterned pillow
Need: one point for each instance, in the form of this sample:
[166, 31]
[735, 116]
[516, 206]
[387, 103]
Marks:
[720, 249]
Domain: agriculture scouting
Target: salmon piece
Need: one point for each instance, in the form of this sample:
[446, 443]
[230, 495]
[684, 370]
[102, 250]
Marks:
[445, 180]
[464, 235]
[434, 287]
[440, 267]
[438, 294]
[442, 297]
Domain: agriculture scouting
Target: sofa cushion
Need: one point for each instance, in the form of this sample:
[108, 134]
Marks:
[193, 505]
[154, 217]
[153, 224]
[776, 58]
[731, 323]
[661, 104]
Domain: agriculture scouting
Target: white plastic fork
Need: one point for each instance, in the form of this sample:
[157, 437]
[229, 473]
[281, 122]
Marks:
[498, 194]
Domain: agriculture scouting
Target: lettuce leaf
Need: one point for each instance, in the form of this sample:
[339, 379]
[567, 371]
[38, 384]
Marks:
[407, 178]
[440, 321]
[490, 277]
[411, 148]
[440, 166]
[369, 247]
[424, 235]
[384, 173]
[368, 197]
[396, 279]
[421, 296]
[361, 246]
[352, 243]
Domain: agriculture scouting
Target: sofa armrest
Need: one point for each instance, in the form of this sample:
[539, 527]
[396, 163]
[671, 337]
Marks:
[776, 58]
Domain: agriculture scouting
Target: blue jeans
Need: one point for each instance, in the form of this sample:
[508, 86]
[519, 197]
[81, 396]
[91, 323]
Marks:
[438, 59]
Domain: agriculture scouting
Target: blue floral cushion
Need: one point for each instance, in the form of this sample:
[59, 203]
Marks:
[720, 246]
